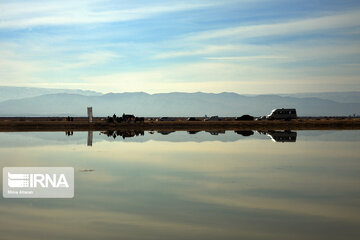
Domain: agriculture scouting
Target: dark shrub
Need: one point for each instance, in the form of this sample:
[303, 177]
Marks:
[245, 118]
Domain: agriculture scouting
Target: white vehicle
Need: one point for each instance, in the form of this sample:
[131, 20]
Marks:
[213, 118]
[282, 136]
[282, 114]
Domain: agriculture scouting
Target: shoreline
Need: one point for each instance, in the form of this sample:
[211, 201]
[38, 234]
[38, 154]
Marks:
[81, 124]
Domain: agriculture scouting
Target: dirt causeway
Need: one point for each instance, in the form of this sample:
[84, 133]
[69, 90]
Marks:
[18, 124]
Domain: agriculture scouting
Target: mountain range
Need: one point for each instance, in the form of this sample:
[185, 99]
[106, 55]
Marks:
[17, 101]
[7, 93]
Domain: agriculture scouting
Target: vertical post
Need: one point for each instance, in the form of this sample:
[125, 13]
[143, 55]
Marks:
[90, 114]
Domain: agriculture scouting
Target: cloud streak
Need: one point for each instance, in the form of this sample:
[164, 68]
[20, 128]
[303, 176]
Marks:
[187, 46]
[248, 58]
[202, 51]
[342, 20]
[28, 14]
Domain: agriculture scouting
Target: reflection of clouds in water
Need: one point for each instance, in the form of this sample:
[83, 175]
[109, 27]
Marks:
[91, 224]
[250, 189]
[93, 177]
[29, 139]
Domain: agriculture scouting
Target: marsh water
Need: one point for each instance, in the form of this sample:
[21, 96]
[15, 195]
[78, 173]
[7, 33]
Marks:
[189, 185]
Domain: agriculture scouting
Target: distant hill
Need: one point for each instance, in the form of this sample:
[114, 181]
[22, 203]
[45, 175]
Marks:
[171, 104]
[7, 93]
[343, 97]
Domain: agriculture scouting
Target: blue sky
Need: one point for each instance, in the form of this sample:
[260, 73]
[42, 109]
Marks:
[243, 46]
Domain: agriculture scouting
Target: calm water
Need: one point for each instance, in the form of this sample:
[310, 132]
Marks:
[183, 185]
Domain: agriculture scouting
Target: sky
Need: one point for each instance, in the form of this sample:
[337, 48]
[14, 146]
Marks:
[243, 46]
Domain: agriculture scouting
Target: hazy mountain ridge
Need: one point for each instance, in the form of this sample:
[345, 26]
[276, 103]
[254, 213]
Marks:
[171, 104]
[7, 93]
[343, 97]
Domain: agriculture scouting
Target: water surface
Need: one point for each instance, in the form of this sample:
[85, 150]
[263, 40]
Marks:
[198, 185]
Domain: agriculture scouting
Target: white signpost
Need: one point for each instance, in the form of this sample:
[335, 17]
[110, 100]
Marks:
[90, 114]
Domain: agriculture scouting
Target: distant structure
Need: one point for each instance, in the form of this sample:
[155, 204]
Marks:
[90, 114]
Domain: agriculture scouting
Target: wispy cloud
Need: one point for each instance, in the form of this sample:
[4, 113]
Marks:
[204, 45]
[343, 20]
[30, 14]
[248, 58]
[203, 50]
[190, 77]
[89, 59]
[16, 69]
[292, 52]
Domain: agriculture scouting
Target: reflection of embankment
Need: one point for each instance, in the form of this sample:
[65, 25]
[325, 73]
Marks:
[21, 139]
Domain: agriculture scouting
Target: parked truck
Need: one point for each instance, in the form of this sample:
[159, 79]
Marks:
[282, 114]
